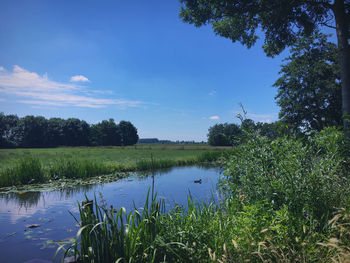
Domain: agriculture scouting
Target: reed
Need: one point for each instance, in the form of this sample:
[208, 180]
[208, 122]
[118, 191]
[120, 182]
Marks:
[30, 169]
[281, 203]
[26, 171]
[111, 235]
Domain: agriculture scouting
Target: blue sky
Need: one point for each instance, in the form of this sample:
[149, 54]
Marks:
[129, 60]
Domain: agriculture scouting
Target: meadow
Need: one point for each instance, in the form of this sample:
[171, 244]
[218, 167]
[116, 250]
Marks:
[39, 165]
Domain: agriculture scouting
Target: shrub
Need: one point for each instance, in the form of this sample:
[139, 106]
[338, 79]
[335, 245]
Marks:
[308, 178]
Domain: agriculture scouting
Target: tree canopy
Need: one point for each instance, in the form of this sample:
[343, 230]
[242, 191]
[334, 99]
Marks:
[309, 90]
[230, 134]
[36, 131]
[282, 22]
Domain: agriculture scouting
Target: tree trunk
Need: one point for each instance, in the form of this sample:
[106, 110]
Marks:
[342, 28]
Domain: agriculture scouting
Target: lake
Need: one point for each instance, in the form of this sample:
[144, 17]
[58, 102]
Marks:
[31, 223]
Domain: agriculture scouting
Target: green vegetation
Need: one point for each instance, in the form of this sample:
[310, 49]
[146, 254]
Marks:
[37, 131]
[28, 166]
[282, 22]
[309, 91]
[284, 200]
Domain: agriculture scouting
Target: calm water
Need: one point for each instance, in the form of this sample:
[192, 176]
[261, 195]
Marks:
[49, 211]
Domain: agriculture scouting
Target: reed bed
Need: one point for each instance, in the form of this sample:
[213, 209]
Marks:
[282, 200]
[31, 170]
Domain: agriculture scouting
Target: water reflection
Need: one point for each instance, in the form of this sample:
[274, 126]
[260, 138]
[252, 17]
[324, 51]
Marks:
[32, 198]
[50, 209]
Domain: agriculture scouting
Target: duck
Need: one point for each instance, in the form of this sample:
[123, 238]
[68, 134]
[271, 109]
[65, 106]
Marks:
[198, 181]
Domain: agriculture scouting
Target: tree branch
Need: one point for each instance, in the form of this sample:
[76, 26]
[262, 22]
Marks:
[315, 3]
[325, 24]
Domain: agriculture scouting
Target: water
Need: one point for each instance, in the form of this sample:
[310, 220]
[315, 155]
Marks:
[32, 223]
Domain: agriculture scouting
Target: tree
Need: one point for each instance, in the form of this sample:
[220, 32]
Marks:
[128, 133]
[8, 124]
[31, 131]
[76, 132]
[309, 90]
[282, 21]
[224, 134]
[274, 130]
[54, 133]
[106, 133]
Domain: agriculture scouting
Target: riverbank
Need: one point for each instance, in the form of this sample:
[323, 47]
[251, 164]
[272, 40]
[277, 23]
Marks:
[37, 166]
[284, 200]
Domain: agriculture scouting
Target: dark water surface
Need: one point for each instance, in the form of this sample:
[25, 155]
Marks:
[32, 223]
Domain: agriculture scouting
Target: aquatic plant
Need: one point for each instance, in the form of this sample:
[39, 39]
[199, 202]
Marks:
[282, 203]
[26, 171]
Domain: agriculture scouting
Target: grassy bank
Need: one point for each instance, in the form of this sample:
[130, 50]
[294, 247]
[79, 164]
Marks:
[27, 166]
[284, 201]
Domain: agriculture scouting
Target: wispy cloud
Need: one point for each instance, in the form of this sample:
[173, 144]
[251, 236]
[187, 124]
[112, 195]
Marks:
[34, 89]
[79, 78]
[257, 117]
[212, 92]
[2, 68]
[214, 117]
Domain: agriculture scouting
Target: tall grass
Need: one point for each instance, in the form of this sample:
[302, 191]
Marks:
[27, 170]
[110, 235]
[284, 201]
[78, 169]
[30, 169]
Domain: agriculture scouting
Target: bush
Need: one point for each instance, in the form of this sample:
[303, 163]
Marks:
[308, 178]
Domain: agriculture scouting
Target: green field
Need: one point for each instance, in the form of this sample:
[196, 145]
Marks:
[25, 166]
[112, 155]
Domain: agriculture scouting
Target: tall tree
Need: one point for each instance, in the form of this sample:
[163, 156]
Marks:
[128, 133]
[8, 125]
[224, 134]
[108, 133]
[282, 21]
[54, 134]
[31, 131]
[309, 90]
[76, 132]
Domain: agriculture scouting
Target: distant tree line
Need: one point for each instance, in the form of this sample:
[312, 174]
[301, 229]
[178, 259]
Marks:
[157, 141]
[230, 134]
[37, 131]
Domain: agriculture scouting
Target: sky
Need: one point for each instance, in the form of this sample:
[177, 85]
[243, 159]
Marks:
[129, 60]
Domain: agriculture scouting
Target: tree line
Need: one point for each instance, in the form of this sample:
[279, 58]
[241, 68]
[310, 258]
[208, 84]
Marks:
[309, 95]
[37, 131]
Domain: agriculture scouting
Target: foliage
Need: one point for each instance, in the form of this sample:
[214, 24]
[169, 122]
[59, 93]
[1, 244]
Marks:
[224, 134]
[308, 178]
[233, 134]
[282, 22]
[280, 204]
[309, 91]
[26, 171]
[106, 133]
[7, 126]
[30, 131]
[83, 163]
[128, 133]
[110, 235]
[36, 131]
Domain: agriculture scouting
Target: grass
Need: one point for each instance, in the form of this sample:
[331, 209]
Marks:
[23, 166]
[283, 201]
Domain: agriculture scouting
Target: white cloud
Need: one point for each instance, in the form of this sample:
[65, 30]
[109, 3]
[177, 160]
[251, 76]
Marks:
[257, 117]
[262, 117]
[214, 117]
[79, 78]
[2, 68]
[212, 92]
[34, 89]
